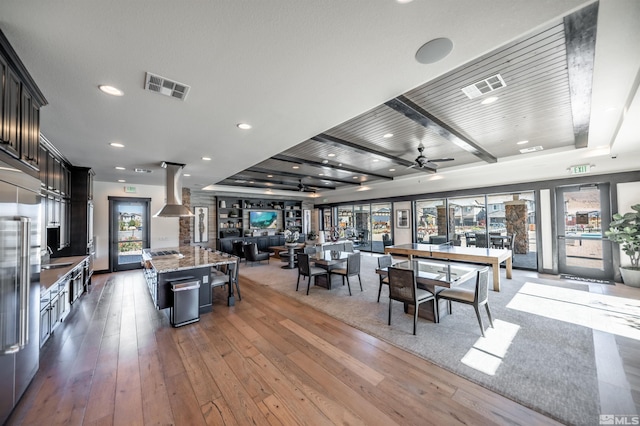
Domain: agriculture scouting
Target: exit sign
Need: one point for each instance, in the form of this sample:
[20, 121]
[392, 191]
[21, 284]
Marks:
[130, 189]
[581, 169]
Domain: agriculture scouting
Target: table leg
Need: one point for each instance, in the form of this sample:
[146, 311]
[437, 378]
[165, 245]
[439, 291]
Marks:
[509, 266]
[231, 300]
[496, 275]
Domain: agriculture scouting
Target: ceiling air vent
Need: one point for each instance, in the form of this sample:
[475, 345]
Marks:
[166, 87]
[484, 86]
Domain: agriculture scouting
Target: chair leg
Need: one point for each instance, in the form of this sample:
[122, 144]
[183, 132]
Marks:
[415, 318]
[308, 284]
[348, 284]
[379, 291]
[360, 282]
[238, 290]
[486, 305]
[479, 319]
[436, 311]
[298, 282]
[390, 311]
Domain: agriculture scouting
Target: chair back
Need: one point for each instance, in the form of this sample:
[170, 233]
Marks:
[303, 264]
[402, 285]
[481, 240]
[437, 239]
[385, 261]
[238, 249]
[348, 246]
[482, 285]
[353, 264]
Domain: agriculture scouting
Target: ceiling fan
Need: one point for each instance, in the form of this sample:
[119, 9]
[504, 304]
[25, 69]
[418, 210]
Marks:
[304, 188]
[422, 162]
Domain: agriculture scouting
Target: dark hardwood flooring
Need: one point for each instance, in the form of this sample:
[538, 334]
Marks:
[268, 360]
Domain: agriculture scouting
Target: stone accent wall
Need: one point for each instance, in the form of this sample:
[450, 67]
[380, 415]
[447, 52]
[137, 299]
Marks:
[184, 235]
[516, 217]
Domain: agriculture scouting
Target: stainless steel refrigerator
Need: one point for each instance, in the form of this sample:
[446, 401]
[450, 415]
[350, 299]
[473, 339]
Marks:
[19, 284]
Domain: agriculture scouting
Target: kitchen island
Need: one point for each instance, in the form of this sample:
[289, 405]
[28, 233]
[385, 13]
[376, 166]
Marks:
[164, 265]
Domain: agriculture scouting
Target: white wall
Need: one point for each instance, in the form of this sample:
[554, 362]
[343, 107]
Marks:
[164, 230]
[402, 235]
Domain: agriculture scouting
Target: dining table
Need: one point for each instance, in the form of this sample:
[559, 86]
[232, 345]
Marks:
[430, 275]
[327, 259]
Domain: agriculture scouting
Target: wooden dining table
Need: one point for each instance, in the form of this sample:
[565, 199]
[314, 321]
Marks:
[327, 259]
[430, 275]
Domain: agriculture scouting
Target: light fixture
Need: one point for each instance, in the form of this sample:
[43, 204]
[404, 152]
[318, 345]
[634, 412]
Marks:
[489, 100]
[116, 145]
[243, 126]
[206, 158]
[434, 50]
[186, 175]
[387, 135]
[121, 180]
[110, 90]
[392, 170]
[269, 176]
[296, 167]
[320, 174]
[331, 155]
[522, 142]
[403, 1]
[375, 160]
[119, 168]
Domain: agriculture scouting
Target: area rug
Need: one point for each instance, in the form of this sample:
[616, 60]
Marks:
[542, 363]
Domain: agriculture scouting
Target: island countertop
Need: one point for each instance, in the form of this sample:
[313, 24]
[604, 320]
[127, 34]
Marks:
[171, 259]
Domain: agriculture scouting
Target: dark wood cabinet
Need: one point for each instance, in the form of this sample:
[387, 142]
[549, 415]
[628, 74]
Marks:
[81, 199]
[29, 129]
[11, 133]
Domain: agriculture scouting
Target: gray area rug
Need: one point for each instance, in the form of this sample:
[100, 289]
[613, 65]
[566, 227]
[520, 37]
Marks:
[544, 364]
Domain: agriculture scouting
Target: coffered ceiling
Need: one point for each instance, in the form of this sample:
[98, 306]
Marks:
[322, 83]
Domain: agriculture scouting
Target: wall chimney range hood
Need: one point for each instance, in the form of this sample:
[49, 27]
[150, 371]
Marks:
[174, 207]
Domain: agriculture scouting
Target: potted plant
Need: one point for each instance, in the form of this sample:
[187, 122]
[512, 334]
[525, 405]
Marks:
[311, 236]
[625, 230]
[291, 238]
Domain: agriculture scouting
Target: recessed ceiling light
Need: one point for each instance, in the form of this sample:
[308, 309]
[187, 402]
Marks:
[331, 155]
[325, 161]
[139, 170]
[434, 50]
[296, 167]
[116, 145]
[489, 100]
[110, 90]
[120, 168]
[121, 180]
[320, 174]
[186, 175]
[250, 181]
[206, 158]
[522, 142]
[403, 1]
[387, 135]
[375, 160]
[243, 126]
[269, 175]
[392, 170]
[355, 177]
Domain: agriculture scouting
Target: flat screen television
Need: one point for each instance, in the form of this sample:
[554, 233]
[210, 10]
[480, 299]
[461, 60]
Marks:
[263, 219]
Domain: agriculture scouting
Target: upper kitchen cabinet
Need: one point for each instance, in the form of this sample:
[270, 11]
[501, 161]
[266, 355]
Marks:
[20, 103]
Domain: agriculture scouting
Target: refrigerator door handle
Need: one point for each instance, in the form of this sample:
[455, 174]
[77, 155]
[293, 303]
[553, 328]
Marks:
[25, 280]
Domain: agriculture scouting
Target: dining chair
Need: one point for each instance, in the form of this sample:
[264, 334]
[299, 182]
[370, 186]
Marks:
[238, 249]
[481, 240]
[477, 296]
[306, 270]
[470, 238]
[403, 288]
[353, 268]
[384, 262]
[252, 254]
[226, 275]
[310, 249]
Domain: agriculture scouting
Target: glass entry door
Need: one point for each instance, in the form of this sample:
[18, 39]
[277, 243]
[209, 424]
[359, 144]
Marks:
[128, 232]
[582, 251]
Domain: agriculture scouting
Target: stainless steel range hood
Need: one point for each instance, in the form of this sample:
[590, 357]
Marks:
[174, 207]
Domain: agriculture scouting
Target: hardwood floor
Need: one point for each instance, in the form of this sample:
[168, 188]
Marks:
[268, 360]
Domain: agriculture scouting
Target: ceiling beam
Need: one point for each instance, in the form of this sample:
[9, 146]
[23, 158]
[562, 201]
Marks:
[301, 176]
[289, 159]
[580, 40]
[415, 113]
[341, 143]
[275, 182]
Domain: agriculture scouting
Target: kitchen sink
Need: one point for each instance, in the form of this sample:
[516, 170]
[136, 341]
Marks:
[56, 265]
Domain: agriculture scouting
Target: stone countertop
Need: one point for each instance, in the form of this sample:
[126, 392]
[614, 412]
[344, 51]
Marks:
[185, 257]
[49, 277]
